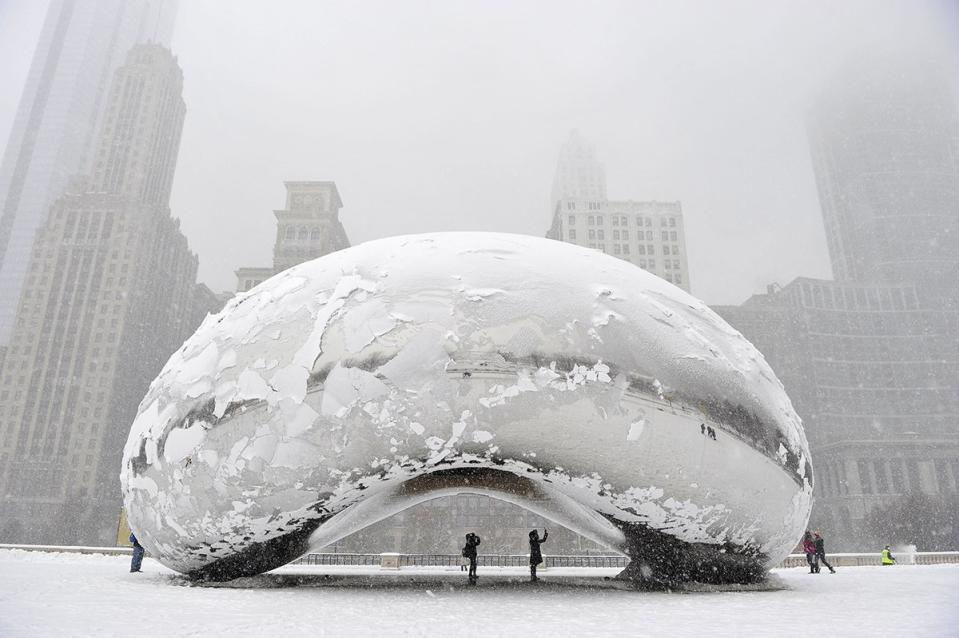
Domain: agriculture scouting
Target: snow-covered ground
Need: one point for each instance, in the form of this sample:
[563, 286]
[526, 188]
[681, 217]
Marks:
[77, 595]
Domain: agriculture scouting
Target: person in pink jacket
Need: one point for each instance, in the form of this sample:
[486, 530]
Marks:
[809, 547]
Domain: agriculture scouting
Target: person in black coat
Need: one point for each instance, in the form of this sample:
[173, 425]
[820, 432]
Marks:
[469, 551]
[138, 551]
[821, 551]
[535, 555]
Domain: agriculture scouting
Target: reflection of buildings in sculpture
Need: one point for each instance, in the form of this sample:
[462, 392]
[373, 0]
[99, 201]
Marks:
[309, 227]
[53, 135]
[871, 361]
[110, 294]
[649, 234]
[440, 525]
[587, 427]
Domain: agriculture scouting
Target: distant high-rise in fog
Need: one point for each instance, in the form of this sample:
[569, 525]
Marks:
[885, 148]
[871, 361]
[309, 227]
[110, 293]
[649, 234]
[579, 175]
[81, 44]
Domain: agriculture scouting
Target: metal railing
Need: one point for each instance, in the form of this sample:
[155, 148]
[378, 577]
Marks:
[841, 559]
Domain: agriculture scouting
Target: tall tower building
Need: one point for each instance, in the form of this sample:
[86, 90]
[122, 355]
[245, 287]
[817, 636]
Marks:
[309, 227]
[82, 42]
[109, 294]
[649, 234]
[885, 150]
[579, 175]
[871, 360]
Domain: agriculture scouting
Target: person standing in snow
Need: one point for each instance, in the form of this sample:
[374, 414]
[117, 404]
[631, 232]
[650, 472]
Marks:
[821, 551]
[887, 557]
[809, 547]
[469, 552]
[535, 555]
[137, 559]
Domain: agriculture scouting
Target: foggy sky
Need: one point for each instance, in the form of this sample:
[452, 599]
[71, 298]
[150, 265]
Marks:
[449, 115]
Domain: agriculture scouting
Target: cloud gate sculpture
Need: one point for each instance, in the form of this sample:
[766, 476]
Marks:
[566, 381]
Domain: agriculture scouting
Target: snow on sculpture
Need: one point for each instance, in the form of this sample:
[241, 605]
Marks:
[569, 382]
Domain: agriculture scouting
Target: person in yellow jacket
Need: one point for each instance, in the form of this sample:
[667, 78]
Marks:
[887, 557]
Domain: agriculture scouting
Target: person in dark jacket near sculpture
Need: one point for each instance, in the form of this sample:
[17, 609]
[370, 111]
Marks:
[821, 551]
[138, 551]
[469, 551]
[535, 555]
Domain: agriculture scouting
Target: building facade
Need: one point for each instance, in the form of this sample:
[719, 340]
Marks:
[649, 234]
[873, 372]
[309, 227]
[871, 360]
[110, 293]
[81, 44]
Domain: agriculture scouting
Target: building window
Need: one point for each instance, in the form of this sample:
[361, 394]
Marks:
[650, 250]
[615, 220]
[601, 234]
[615, 249]
[667, 265]
[882, 483]
[599, 220]
[570, 205]
[572, 220]
[898, 479]
[649, 235]
[665, 235]
[865, 478]
[672, 235]
[665, 250]
[615, 232]
[641, 249]
[625, 249]
[639, 220]
[942, 476]
[672, 221]
[592, 233]
[662, 221]
[572, 234]
[642, 264]
[625, 235]
[591, 220]
[677, 278]
[675, 264]
[290, 232]
[315, 234]
[652, 263]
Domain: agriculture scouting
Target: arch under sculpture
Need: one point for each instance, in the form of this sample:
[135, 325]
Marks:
[574, 384]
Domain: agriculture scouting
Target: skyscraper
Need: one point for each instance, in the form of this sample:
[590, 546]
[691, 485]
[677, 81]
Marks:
[871, 360]
[81, 44]
[649, 234]
[109, 294]
[885, 149]
[309, 227]
[579, 175]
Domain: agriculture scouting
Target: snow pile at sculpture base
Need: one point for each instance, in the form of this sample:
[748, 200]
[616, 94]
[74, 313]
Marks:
[61, 595]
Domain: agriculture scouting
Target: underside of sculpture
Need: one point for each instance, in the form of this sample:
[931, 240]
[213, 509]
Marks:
[574, 384]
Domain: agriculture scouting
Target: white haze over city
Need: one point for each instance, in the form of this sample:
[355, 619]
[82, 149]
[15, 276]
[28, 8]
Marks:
[449, 115]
